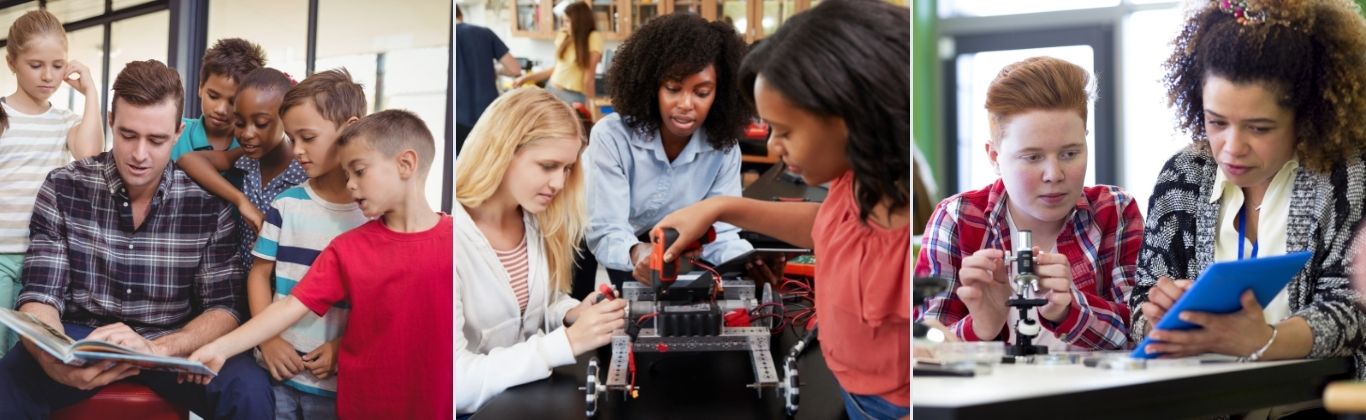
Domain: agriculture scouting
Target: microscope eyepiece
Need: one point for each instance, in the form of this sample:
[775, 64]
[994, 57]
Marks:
[1024, 253]
[1025, 278]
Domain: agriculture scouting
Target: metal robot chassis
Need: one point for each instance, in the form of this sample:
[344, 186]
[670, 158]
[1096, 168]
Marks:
[753, 339]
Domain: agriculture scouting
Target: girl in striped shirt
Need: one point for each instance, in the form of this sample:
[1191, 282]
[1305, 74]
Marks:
[520, 219]
[37, 137]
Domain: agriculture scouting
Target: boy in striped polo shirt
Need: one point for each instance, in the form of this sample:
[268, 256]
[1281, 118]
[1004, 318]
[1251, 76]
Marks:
[300, 222]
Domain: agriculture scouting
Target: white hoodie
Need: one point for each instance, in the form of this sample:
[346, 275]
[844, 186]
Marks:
[497, 347]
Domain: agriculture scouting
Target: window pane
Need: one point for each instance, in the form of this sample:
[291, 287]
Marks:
[11, 14]
[975, 73]
[1150, 135]
[7, 18]
[401, 56]
[124, 4]
[73, 10]
[733, 12]
[951, 8]
[775, 13]
[282, 32]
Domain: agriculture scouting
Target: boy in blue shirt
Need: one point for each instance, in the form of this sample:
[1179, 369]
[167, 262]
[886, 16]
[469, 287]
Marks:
[222, 69]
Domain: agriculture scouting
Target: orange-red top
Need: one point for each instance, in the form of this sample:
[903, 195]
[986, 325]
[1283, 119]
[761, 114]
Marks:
[863, 298]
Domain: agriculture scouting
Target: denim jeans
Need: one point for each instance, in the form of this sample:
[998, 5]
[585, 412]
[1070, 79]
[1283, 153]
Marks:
[293, 404]
[872, 407]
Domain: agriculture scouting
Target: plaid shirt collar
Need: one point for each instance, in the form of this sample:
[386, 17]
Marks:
[114, 182]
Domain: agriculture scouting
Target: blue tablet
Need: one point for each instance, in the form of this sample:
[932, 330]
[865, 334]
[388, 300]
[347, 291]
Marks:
[1220, 289]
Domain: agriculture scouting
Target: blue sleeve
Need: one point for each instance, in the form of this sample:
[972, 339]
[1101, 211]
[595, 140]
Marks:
[610, 235]
[728, 243]
[268, 240]
[182, 146]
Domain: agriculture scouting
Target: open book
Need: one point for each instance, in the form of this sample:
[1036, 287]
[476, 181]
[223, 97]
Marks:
[80, 353]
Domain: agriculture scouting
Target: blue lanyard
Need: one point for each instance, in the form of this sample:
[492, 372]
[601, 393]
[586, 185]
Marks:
[1242, 235]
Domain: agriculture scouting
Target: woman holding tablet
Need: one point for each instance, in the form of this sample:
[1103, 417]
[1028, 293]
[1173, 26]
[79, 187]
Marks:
[1270, 93]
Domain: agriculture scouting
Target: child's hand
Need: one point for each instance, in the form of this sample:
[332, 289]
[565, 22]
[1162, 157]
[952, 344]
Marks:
[210, 358]
[322, 361]
[572, 315]
[281, 359]
[596, 324]
[252, 215]
[985, 291]
[604, 292]
[641, 254]
[767, 269]
[1055, 283]
[691, 222]
[82, 81]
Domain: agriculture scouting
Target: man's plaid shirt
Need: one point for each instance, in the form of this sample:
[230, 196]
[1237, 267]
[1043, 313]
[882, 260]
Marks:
[88, 261]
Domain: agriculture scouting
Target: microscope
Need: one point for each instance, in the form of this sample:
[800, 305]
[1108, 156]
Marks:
[1026, 285]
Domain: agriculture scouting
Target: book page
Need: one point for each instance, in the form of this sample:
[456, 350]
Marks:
[46, 337]
[148, 362]
[102, 347]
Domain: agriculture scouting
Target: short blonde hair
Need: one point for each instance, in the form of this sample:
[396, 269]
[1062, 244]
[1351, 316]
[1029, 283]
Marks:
[392, 131]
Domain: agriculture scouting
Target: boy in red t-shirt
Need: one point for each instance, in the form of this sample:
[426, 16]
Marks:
[395, 271]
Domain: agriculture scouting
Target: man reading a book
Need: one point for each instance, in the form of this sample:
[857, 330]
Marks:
[127, 249]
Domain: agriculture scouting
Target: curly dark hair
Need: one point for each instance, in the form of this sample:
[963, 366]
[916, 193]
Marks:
[670, 48]
[850, 59]
[1311, 53]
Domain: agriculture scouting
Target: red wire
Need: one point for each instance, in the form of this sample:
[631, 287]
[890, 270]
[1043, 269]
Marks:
[770, 304]
[714, 275]
[796, 283]
[797, 315]
[641, 320]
